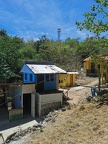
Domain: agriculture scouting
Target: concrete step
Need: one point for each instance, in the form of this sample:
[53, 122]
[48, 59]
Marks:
[1, 138]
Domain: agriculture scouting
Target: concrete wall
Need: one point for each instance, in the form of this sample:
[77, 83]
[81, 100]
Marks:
[47, 102]
[28, 88]
[17, 94]
[15, 114]
[46, 108]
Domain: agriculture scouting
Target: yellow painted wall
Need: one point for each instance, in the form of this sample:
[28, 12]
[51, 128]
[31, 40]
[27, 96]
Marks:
[64, 80]
[87, 65]
[74, 79]
[104, 72]
[67, 80]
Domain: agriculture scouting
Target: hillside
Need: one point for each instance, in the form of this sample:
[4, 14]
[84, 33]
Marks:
[84, 124]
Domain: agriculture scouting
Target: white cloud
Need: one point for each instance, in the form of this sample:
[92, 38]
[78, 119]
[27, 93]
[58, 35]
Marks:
[81, 34]
[33, 18]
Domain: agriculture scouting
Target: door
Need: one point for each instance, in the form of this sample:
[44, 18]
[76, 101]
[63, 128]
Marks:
[40, 83]
[71, 79]
[33, 105]
[27, 104]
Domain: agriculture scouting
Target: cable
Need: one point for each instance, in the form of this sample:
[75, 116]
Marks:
[41, 82]
[24, 91]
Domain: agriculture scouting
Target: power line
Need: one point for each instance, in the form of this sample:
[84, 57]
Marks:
[44, 81]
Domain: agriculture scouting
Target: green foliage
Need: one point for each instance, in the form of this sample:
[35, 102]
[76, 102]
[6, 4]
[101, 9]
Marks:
[67, 55]
[94, 18]
[5, 72]
[95, 23]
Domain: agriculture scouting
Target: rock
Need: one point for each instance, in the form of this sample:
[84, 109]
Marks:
[35, 125]
[10, 136]
[37, 128]
[39, 125]
[34, 129]
[44, 124]
[63, 109]
[48, 119]
[89, 98]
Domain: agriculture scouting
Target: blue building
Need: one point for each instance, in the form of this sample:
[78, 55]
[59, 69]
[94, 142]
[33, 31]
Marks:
[38, 94]
[43, 74]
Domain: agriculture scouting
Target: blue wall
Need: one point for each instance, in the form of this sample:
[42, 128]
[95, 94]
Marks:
[17, 97]
[27, 72]
[28, 78]
[49, 85]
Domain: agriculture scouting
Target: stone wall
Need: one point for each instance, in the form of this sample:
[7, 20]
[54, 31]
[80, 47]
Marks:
[47, 102]
[46, 108]
[15, 114]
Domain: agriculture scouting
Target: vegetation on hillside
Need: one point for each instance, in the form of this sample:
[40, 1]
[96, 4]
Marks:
[68, 54]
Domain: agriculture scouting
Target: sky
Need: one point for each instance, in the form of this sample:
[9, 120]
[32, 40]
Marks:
[30, 19]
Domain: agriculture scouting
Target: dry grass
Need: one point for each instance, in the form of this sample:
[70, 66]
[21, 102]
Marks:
[81, 124]
[84, 124]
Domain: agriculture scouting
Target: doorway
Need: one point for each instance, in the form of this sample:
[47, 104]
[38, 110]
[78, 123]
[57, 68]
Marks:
[40, 83]
[27, 105]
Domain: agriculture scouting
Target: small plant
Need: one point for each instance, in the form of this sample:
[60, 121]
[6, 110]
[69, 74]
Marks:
[82, 107]
[41, 129]
[69, 106]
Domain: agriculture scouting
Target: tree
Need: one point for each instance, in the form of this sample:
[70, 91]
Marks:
[94, 18]
[5, 71]
[94, 21]
[3, 32]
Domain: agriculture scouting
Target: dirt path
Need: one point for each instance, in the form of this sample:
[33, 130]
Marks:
[76, 95]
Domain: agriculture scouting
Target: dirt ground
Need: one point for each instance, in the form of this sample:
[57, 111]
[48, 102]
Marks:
[79, 124]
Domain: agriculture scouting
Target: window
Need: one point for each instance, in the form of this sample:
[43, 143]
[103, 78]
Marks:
[31, 77]
[47, 77]
[51, 77]
[25, 76]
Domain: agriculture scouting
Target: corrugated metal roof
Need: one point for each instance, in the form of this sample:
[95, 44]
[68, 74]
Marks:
[72, 73]
[45, 69]
[39, 62]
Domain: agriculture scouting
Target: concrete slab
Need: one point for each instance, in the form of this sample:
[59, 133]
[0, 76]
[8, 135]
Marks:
[1, 138]
[76, 88]
[13, 127]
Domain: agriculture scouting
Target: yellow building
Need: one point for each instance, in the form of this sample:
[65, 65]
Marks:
[68, 80]
[92, 68]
